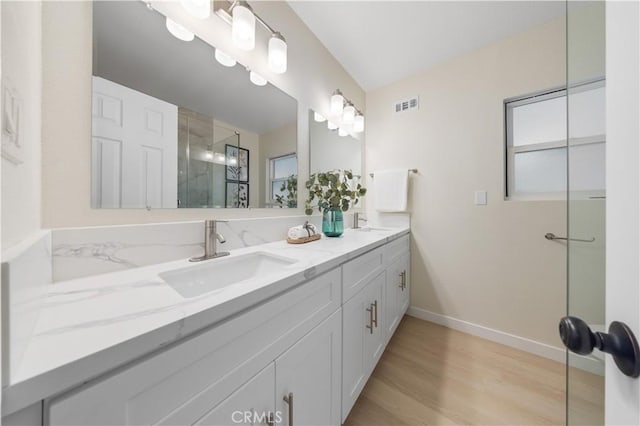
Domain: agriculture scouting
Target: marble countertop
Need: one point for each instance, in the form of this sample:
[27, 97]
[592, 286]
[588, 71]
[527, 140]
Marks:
[92, 325]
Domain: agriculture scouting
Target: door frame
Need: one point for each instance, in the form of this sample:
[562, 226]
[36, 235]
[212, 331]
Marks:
[622, 394]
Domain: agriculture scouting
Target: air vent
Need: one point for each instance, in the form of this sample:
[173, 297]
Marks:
[404, 105]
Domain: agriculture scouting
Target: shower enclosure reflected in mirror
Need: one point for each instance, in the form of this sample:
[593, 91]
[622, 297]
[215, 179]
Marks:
[173, 128]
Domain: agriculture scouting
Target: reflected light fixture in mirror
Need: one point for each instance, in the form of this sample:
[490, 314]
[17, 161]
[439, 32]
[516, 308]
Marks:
[178, 31]
[358, 123]
[342, 132]
[243, 26]
[318, 117]
[331, 125]
[257, 79]
[200, 9]
[224, 59]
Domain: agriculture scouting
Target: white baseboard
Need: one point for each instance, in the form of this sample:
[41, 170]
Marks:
[537, 348]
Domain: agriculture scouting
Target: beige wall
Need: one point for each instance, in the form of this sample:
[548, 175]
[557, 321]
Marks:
[313, 74]
[276, 143]
[21, 65]
[488, 265]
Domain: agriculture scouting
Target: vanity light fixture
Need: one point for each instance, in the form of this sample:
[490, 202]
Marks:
[277, 53]
[348, 114]
[224, 59]
[331, 125]
[200, 9]
[243, 25]
[257, 79]
[318, 117]
[337, 103]
[242, 18]
[178, 31]
[345, 115]
[342, 132]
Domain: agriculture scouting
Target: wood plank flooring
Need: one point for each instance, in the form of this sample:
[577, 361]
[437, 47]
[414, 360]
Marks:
[433, 375]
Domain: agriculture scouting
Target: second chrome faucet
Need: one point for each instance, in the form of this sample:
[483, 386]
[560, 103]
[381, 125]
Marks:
[211, 238]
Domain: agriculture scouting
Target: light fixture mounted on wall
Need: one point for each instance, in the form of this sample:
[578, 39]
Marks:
[242, 18]
[344, 115]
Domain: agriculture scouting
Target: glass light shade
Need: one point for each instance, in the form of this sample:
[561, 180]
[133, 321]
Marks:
[349, 114]
[318, 117]
[331, 126]
[342, 131]
[337, 104]
[277, 53]
[243, 28]
[358, 124]
[224, 59]
[178, 31]
[200, 9]
[257, 79]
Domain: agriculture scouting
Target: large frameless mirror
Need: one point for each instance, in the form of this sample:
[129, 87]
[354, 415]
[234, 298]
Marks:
[174, 128]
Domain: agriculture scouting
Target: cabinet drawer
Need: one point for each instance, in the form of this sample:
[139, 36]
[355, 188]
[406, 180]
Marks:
[396, 249]
[358, 272]
[182, 383]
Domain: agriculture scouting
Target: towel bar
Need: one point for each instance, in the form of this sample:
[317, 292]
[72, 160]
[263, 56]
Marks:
[410, 170]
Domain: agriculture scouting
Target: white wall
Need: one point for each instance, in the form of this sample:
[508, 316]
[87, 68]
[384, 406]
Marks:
[21, 68]
[313, 74]
[488, 265]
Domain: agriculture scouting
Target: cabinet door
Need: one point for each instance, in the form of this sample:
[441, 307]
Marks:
[375, 342]
[397, 294]
[308, 376]
[252, 404]
[363, 341]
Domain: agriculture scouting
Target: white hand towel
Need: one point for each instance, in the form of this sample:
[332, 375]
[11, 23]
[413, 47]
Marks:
[390, 188]
[302, 231]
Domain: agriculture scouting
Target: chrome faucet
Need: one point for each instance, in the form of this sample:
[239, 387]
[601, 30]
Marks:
[357, 219]
[211, 237]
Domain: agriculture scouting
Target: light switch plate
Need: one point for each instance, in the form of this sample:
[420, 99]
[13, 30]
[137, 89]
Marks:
[481, 198]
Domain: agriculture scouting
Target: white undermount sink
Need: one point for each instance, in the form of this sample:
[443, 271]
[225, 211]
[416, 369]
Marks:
[216, 274]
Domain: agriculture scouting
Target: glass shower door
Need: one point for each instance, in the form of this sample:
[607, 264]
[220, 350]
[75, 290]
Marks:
[586, 202]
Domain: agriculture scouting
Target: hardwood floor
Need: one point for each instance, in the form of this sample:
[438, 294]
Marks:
[432, 375]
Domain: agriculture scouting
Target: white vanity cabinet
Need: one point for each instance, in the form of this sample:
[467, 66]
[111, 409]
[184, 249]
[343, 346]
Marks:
[299, 358]
[183, 384]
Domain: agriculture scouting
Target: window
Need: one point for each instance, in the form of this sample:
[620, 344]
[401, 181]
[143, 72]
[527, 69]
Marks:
[536, 143]
[283, 173]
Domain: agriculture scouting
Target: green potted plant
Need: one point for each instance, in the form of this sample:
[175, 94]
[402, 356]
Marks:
[334, 193]
[291, 198]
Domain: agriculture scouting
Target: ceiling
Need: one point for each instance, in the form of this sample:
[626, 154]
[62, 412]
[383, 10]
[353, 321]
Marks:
[381, 42]
[132, 47]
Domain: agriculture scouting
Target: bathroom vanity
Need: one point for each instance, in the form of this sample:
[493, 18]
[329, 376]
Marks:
[287, 344]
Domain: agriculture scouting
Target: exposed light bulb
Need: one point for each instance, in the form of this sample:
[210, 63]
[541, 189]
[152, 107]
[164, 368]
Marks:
[200, 9]
[358, 124]
[224, 59]
[318, 117]
[257, 79]
[331, 125]
[178, 31]
[349, 114]
[243, 27]
[337, 104]
[342, 132]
